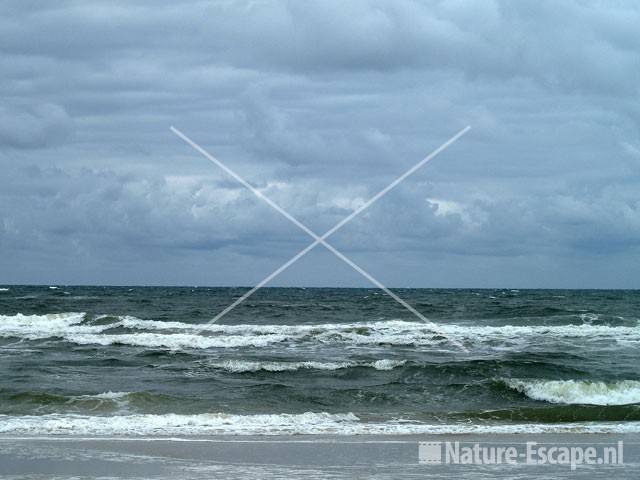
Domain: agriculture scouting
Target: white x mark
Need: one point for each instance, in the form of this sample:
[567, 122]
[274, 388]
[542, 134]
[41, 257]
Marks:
[322, 239]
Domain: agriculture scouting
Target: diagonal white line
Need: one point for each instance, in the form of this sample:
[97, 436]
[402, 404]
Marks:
[375, 282]
[393, 184]
[321, 239]
[349, 217]
[286, 265]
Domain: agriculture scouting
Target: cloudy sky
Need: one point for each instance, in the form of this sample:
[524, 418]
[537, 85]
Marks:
[320, 105]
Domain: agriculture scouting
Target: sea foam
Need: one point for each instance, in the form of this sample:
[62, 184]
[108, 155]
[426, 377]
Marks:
[34, 327]
[309, 423]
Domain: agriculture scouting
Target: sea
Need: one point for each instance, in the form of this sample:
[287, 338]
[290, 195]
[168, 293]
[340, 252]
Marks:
[136, 361]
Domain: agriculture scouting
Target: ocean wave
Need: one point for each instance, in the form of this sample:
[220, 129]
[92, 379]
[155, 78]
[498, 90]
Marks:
[109, 396]
[174, 341]
[391, 332]
[272, 424]
[387, 364]
[557, 413]
[107, 401]
[33, 327]
[41, 402]
[396, 330]
[4, 289]
[623, 392]
[77, 328]
[240, 366]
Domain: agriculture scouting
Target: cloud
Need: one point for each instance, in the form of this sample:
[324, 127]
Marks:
[320, 104]
[34, 126]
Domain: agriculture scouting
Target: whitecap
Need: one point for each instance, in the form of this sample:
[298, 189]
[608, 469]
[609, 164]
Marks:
[242, 366]
[622, 392]
[176, 335]
[174, 341]
[33, 327]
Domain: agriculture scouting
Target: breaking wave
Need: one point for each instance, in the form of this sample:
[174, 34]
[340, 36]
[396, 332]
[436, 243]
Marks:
[623, 392]
[240, 366]
[271, 424]
[80, 329]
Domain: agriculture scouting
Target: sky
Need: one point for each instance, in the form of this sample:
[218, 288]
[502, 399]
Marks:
[320, 105]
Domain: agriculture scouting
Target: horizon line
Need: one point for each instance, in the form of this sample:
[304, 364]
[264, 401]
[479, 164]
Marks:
[305, 287]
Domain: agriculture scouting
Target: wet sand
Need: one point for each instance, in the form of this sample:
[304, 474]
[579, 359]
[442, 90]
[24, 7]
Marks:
[310, 457]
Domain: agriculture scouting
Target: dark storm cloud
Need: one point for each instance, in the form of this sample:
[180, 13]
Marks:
[320, 104]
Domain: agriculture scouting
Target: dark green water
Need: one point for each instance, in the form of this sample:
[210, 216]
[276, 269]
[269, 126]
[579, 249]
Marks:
[119, 360]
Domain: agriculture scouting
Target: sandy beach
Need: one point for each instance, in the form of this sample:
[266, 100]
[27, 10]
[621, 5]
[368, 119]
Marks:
[284, 457]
